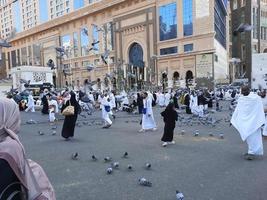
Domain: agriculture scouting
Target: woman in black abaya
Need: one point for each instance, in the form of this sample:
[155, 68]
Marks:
[45, 105]
[70, 121]
[169, 118]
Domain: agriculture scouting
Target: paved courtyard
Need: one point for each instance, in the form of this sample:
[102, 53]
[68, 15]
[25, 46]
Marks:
[203, 168]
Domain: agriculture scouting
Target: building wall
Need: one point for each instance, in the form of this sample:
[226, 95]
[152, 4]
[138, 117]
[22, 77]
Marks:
[133, 22]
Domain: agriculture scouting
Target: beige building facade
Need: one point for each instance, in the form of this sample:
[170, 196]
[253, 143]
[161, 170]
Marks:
[137, 42]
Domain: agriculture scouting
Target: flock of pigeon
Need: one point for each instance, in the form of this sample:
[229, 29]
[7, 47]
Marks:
[115, 165]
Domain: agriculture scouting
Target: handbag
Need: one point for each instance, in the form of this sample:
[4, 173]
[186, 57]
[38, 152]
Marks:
[68, 111]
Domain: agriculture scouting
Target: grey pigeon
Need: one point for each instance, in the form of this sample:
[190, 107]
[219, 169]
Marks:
[74, 156]
[183, 132]
[125, 155]
[211, 134]
[109, 170]
[115, 165]
[54, 127]
[221, 135]
[31, 121]
[196, 133]
[148, 166]
[179, 195]
[85, 123]
[107, 159]
[40, 133]
[130, 167]
[144, 182]
[54, 132]
[94, 158]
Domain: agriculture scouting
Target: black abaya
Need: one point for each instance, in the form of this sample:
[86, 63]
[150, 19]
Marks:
[169, 117]
[70, 121]
[187, 103]
[8, 177]
[45, 109]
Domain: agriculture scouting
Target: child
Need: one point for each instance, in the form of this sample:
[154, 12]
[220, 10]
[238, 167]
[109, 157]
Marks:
[53, 108]
[169, 118]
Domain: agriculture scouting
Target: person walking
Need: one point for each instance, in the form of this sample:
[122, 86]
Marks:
[170, 116]
[148, 122]
[140, 103]
[248, 118]
[30, 104]
[70, 121]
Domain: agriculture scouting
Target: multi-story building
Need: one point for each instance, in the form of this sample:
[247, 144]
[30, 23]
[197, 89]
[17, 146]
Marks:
[170, 42]
[7, 18]
[249, 34]
[21, 15]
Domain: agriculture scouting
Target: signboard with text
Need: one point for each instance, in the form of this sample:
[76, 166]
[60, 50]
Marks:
[204, 65]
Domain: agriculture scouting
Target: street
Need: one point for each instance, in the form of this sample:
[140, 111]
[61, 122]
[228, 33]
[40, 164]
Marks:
[202, 168]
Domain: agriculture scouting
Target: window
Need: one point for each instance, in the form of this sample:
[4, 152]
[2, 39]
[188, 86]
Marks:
[188, 17]
[78, 4]
[234, 4]
[243, 52]
[243, 3]
[168, 22]
[95, 43]
[84, 41]
[188, 47]
[220, 23]
[170, 50]
[216, 58]
[254, 21]
[65, 42]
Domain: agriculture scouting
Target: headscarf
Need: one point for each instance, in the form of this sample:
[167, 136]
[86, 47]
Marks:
[12, 150]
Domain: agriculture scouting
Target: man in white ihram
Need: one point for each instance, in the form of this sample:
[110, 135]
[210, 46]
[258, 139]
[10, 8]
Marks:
[248, 118]
[30, 103]
[148, 122]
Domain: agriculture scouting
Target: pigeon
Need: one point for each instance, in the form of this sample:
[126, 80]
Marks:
[54, 127]
[54, 132]
[107, 159]
[115, 165]
[211, 134]
[221, 135]
[179, 195]
[196, 133]
[40, 133]
[84, 116]
[94, 158]
[148, 166]
[130, 167]
[125, 155]
[31, 121]
[182, 132]
[74, 156]
[109, 170]
[85, 123]
[144, 182]
[78, 125]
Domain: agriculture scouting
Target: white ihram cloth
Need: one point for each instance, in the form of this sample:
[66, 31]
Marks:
[30, 104]
[105, 114]
[161, 100]
[167, 99]
[194, 105]
[248, 119]
[148, 121]
[264, 102]
[112, 100]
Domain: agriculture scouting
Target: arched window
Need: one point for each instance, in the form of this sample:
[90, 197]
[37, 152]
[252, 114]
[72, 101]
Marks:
[176, 76]
[136, 55]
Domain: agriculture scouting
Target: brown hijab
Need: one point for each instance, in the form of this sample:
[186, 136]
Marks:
[13, 151]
